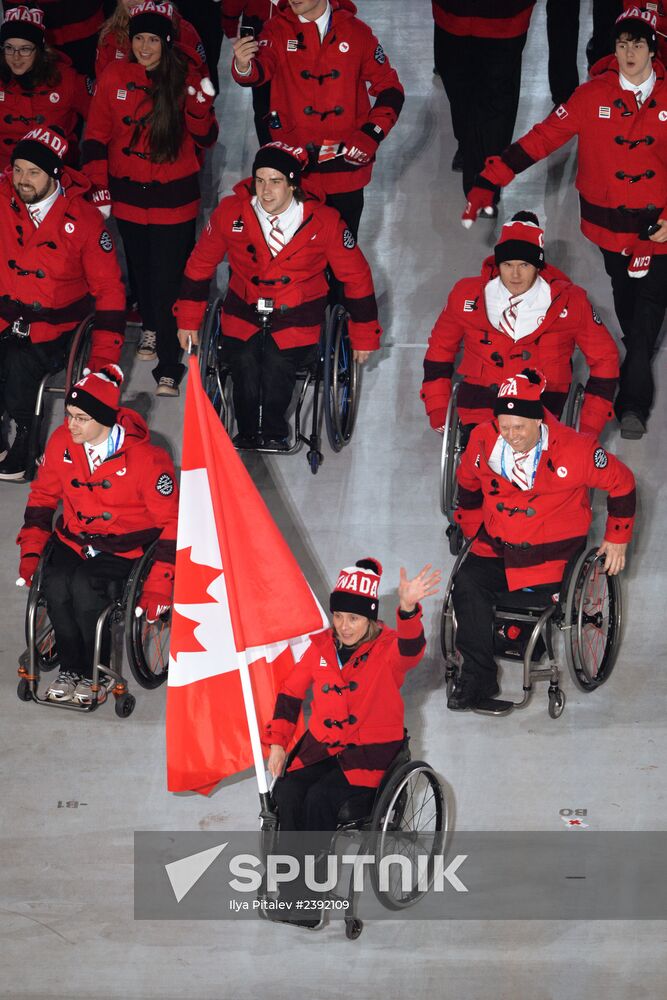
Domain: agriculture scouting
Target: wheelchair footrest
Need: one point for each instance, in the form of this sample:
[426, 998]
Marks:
[494, 706]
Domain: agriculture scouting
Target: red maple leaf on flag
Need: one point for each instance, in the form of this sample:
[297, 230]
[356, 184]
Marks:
[183, 638]
[193, 579]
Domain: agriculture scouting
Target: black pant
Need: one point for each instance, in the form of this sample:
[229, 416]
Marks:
[264, 376]
[349, 205]
[640, 305]
[480, 585]
[563, 38]
[311, 798]
[23, 365]
[156, 257]
[205, 16]
[601, 43]
[77, 591]
[482, 78]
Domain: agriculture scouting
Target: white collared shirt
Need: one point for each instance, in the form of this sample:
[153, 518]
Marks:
[530, 310]
[501, 459]
[644, 89]
[98, 453]
[39, 211]
[322, 21]
[288, 221]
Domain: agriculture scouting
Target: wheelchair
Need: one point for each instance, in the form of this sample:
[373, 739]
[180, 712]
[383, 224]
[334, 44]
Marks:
[409, 807]
[454, 441]
[76, 362]
[588, 613]
[335, 371]
[146, 643]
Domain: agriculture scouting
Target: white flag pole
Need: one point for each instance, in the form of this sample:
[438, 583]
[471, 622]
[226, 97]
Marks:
[253, 727]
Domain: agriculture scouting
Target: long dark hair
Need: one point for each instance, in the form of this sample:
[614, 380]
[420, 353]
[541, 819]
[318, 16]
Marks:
[45, 70]
[165, 122]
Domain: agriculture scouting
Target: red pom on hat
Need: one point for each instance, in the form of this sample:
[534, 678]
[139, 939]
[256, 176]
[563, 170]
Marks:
[98, 394]
[357, 588]
[519, 395]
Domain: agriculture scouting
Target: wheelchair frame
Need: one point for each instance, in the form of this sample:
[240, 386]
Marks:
[41, 655]
[453, 447]
[387, 816]
[73, 372]
[569, 615]
[335, 370]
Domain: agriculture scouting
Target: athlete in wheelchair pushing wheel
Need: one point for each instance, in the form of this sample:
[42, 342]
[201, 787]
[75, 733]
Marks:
[119, 496]
[279, 240]
[523, 496]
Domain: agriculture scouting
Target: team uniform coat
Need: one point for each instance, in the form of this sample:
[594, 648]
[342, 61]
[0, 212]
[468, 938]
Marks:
[135, 486]
[24, 105]
[536, 548]
[142, 191]
[490, 355]
[68, 21]
[319, 90]
[111, 49]
[491, 18]
[295, 278]
[51, 274]
[622, 152]
[363, 727]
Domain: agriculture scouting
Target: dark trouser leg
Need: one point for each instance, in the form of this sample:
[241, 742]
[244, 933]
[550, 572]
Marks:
[310, 798]
[605, 13]
[478, 583]
[82, 54]
[563, 38]
[170, 247]
[640, 305]
[136, 242]
[24, 366]
[205, 16]
[90, 596]
[349, 205]
[57, 587]
[493, 103]
[261, 105]
[279, 369]
[451, 61]
[244, 358]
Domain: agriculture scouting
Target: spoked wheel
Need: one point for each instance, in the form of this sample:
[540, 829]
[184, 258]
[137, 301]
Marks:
[409, 819]
[45, 638]
[452, 449]
[78, 353]
[341, 381]
[210, 344]
[574, 406]
[147, 643]
[593, 620]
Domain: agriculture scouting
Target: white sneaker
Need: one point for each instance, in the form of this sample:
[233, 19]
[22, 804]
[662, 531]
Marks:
[83, 694]
[63, 687]
[146, 348]
[167, 387]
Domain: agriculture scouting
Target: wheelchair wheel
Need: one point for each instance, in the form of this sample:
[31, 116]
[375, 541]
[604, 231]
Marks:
[147, 643]
[45, 640]
[353, 928]
[447, 617]
[341, 381]
[409, 820]
[78, 353]
[210, 342]
[573, 406]
[451, 455]
[593, 620]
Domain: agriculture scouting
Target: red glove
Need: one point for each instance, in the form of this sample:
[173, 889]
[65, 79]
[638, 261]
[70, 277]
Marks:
[157, 592]
[154, 605]
[478, 198]
[497, 172]
[200, 97]
[437, 418]
[360, 149]
[27, 568]
[640, 258]
[102, 199]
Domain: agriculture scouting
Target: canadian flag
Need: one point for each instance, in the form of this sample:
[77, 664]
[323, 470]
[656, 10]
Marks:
[242, 610]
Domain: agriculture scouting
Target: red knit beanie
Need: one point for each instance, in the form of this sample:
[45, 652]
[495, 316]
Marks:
[153, 18]
[46, 148]
[521, 239]
[356, 589]
[98, 394]
[24, 22]
[638, 23]
[519, 395]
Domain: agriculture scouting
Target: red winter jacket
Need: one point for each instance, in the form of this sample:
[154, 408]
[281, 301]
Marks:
[68, 21]
[536, 548]
[490, 355]
[252, 10]
[483, 18]
[363, 727]
[142, 191]
[50, 275]
[112, 48]
[319, 90]
[23, 105]
[136, 486]
[622, 164]
[295, 278]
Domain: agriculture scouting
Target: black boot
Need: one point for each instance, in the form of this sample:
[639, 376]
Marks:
[13, 466]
